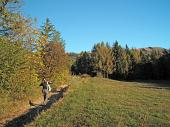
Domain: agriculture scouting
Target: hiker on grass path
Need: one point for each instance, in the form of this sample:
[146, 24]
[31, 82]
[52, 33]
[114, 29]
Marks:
[45, 89]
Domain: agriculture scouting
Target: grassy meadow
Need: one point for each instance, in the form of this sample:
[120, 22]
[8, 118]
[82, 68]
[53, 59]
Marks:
[98, 102]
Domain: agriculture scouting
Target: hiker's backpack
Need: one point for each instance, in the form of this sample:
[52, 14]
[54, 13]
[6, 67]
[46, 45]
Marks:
[48, 87]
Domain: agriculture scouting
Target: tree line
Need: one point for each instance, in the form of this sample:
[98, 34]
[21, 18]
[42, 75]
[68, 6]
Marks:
[116, 62]
[28, 54]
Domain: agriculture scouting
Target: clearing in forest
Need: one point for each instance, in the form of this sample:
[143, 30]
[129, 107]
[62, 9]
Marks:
[99, 102]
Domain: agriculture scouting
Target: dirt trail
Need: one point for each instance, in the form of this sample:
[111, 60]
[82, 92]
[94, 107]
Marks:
[32, 113]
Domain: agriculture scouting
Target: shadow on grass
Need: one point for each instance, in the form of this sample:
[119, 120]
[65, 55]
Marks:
[29, 116]
[154, 84]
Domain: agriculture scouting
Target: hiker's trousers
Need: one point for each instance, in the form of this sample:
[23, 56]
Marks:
[45, 94]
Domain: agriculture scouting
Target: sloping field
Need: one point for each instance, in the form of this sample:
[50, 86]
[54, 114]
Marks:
[101, 102]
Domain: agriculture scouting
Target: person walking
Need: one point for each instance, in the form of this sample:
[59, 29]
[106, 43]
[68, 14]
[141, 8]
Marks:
[45, 89]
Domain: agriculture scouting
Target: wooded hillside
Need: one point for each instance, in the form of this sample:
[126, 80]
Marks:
[117, 62]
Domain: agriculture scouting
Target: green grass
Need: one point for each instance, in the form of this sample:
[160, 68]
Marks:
[101, 102]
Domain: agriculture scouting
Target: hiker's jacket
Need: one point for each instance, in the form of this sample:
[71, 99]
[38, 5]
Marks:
[44, 85]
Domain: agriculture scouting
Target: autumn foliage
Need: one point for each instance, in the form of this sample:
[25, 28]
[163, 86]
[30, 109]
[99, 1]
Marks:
[27, 55]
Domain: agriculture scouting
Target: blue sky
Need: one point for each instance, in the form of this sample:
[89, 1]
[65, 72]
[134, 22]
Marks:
[82, 23]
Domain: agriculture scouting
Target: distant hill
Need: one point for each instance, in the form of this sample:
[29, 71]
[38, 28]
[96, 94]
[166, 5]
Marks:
[149, 50]
[72, 57]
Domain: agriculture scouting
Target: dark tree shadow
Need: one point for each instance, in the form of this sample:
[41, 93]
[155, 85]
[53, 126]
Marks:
[154, 84]
[29, 116]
